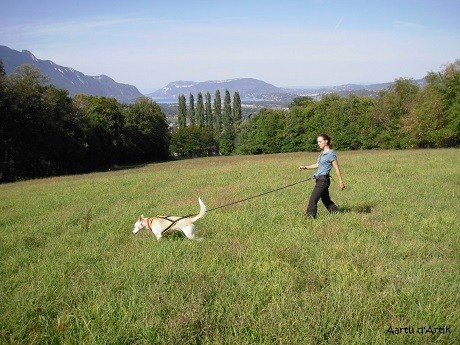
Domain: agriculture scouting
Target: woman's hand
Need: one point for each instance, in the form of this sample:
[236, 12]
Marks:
[302, 167]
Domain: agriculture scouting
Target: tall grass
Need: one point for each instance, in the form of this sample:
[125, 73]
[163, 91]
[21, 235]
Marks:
[72, 272]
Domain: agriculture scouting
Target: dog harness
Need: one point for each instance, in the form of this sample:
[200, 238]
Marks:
[173, 222]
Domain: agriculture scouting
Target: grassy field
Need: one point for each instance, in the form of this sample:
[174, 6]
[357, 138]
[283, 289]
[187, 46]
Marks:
[383, 271]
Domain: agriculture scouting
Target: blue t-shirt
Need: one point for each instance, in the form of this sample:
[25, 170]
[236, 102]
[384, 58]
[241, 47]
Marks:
[325, 162]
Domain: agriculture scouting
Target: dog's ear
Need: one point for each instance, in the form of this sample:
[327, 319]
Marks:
[141, 216]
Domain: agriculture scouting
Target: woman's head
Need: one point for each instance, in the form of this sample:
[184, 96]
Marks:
[324, 140]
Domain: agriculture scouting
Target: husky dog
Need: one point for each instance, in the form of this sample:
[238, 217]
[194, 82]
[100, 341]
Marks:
[160, 224]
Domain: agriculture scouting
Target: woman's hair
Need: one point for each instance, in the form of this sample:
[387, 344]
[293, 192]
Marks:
[328, 138]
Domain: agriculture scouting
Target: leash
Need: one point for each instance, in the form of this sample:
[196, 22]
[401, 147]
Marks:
[235, 202]
[258, 195]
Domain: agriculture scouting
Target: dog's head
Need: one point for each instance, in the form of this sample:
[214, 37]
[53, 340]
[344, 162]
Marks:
[139, 224]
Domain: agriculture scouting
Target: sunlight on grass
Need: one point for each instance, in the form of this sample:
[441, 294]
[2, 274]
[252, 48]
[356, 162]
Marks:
[72, 272]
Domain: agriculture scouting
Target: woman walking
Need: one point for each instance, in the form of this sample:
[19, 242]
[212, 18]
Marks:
[326, 160]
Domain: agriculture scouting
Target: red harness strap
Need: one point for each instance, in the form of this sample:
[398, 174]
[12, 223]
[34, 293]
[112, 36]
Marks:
[149, 223]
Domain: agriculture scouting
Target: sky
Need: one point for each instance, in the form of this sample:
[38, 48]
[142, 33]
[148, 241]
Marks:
[288, 43]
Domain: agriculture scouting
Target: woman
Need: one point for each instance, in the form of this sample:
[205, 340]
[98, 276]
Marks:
[326, 160]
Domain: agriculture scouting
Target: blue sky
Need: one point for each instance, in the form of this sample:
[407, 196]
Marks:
[286, 43]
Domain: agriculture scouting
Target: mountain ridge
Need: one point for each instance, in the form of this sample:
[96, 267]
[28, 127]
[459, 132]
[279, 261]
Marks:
[68, 78]
[248, 88]
[251, 89]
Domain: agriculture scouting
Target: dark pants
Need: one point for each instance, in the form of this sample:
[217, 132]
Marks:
[321, 191]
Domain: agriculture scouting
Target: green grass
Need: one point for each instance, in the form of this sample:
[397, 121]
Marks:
[73, 273]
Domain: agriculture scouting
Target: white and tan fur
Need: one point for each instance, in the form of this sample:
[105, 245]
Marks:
[159, 225]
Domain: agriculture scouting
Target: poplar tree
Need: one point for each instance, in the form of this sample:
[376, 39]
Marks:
[228, 118]
[208, 111]
[191, 111]
[236, 107]
[200, 110]
[217, 112]
[182, 115]
[2, 69]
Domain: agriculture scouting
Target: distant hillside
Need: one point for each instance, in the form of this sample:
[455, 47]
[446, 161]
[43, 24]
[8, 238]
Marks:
[347, 89]
[251, 90]
[68, 78]
[259, 92]
[248, 88]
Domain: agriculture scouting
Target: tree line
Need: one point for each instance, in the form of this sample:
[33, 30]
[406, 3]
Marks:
[45, 132]
[404, 116]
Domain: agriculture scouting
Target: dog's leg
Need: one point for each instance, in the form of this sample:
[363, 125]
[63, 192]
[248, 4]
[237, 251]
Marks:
[189, 231]
[158, 236]
[156, 230]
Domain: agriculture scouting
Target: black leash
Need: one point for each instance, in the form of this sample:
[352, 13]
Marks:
[256, 196]
[235, 202]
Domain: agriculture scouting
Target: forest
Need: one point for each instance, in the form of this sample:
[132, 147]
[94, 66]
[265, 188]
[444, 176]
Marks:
[45, 132]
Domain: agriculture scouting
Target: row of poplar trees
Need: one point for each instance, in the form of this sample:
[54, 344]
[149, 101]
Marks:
[206, 128]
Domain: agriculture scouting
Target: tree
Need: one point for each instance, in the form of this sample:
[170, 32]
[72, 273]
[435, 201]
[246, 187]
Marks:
[191, 114]
[451, 96]
[236, 107]
[302, 101]
[228, 118]
[182, 112]
[5, 114]
[193, 141]
[104, 131]
[217, 112]
[67, 149]
[146, 133]
[434, 119]
[355, 122]
[300, 128]
[200, 111]
[263, 133]
[2, 69]
[27, 124]
[208, 111]
[40, 133]
[390, 107]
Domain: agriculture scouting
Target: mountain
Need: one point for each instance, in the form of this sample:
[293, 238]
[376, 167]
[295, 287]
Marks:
[68, 78]
[347, 89]
[248, 88]
[257, 91]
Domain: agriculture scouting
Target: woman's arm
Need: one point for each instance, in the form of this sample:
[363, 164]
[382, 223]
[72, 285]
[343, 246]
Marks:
[313, 166]
[335, 164]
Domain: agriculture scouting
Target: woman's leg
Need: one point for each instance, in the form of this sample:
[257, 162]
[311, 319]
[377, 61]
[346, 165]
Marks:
[328, 203]
[316, 194]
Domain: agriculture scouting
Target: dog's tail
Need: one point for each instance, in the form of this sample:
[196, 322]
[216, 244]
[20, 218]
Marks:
[202, 211]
